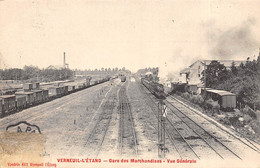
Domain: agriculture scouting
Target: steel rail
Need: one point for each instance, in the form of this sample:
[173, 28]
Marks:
[248, 140]
[125, 108]
[121, 124]
[198, 135]
[132, 126]
[35, 114]
[183, 138]
[104, 135]
[204, 130]
[171, 139]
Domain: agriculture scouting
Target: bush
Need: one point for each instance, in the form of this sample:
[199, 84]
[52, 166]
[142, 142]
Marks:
[208, 104]
[225, 121]
[197, 99]
[247, 118]
[212, 106]
[186, 95]
[215, 107]
[247, 110]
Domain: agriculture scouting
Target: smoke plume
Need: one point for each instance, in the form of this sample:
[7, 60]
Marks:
[236, 41]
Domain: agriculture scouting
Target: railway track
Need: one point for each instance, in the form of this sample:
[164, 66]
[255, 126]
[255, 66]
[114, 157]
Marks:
[39, 111]
[97, 135]
[248, 142]
[181, 145]
[182, 128]
[212, 141]
[127, 134]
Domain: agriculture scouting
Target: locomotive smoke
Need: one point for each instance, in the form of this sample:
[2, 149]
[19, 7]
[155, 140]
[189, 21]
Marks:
[234, 42]
[170, 68]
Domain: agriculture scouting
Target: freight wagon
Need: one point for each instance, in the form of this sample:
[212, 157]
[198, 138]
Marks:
[20, 102]
[1, 107]
[29, 97]
[37, 94]
[123, 78]
[27, 86]
[226, 100]
[45, 94]
[178, 87]
[54, 92]
[8, 103]
[71, 88]
[32, 95]
[193, 89]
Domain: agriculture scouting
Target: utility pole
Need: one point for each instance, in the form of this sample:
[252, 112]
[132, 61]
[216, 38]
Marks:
[161, 128]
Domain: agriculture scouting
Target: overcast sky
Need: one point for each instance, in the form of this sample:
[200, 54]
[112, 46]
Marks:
[133, 34]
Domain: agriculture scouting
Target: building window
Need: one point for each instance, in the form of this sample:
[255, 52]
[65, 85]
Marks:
[198, 75]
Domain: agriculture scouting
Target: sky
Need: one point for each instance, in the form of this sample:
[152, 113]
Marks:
[170, 35]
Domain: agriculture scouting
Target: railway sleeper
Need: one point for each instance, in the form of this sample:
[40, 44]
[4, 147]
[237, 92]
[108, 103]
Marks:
[192, 137]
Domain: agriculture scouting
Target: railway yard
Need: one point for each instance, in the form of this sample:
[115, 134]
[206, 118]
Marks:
[120, 119]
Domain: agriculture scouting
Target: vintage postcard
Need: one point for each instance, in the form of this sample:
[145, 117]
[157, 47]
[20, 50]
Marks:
[129, 83]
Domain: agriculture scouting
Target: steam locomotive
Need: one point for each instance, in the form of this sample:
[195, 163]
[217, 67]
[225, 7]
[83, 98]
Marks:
[151, 83]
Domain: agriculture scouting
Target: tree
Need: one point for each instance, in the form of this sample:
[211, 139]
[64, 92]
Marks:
[30, 72]
[233, 68]
[215, 74]
[258, 64]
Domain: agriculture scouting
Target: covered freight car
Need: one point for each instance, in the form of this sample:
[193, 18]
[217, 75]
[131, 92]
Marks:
[20, 102]
[191, 88]
[1, 107]
[226, 100]
[123, 78]
[29, 97]
[54, 92]
[8, 103]
[45, 94]
[178, 87]
[37, 94]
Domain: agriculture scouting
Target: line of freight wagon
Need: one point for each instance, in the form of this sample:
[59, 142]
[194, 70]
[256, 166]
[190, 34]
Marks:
[33, 94]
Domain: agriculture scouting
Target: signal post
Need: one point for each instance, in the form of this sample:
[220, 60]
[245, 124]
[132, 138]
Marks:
[161, 128]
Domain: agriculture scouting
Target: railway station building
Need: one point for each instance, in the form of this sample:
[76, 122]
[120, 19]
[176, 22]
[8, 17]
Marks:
[193, 73]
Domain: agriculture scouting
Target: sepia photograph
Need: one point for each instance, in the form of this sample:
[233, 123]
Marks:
[129, 83]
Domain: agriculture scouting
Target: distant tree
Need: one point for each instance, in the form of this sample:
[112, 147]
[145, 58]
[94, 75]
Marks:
[30, 72]
[233, 68]
[258, 64]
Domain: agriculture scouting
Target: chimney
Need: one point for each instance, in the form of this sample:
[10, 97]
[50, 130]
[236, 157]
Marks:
[64, 60]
